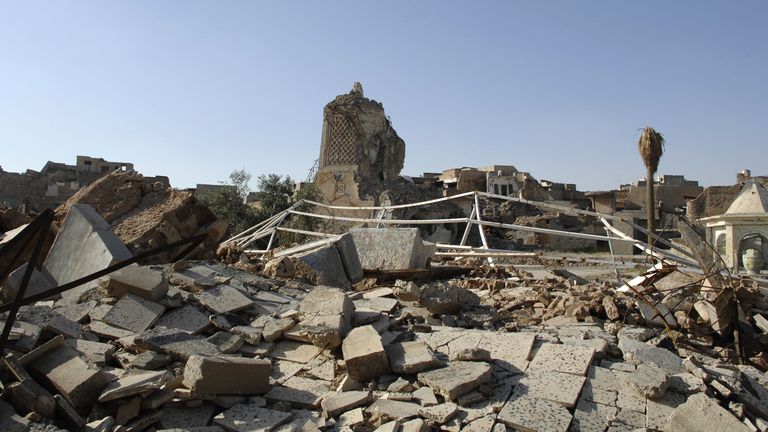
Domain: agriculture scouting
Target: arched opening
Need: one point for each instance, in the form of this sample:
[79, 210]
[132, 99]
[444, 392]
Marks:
[755, 241]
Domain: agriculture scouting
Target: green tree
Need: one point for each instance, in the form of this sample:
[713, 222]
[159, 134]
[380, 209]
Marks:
[229, 203]
[276, 194]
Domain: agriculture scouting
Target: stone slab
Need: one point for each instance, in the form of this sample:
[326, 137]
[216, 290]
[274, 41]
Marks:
[187, 318]
[133, 384]
[299, 392]
[394, 409]
[391, 248]
[592, 417]
[223, 299]
[250, 417]
[411, 357]
[457, 378]
[185, 418]
[531, 414]
[335, 403]
[226, 375]
[350, 260]
[563, 358]
[138, 280]
[84, 244]
[327, 266]
[134, 313]
[364, 355]
[559, 387]
[177, 343]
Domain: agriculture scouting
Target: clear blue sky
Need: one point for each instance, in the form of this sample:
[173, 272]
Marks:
[195, 89]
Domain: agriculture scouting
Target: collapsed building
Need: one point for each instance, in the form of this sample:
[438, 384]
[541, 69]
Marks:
[372, 327]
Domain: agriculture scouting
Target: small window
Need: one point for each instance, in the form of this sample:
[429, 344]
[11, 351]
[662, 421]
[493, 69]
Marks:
[496, 189]
[105, 169]
[504, 190]
[87, 162]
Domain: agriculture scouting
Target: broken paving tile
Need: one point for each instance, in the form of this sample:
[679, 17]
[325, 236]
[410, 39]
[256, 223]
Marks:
[223, 299]
[295, 351]
[133, 384]
[559, 387]
[134, 313]
[592, 417]
[249, 417]
[394, 409]
[226, 375]
[364, 355]
[184, 418]
[299, 392]
[531, 414]
[410, 357]
[335, 403]
[563, 358]
[457, 378]
[186, 318]
[175, 342]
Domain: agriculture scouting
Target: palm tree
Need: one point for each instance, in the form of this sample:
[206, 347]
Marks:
[651, 147]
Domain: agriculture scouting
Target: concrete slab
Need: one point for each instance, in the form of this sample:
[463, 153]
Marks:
[226, 375]
[134, 313]
[563, 358]
[326, 316]
[364, 355]
[299, 392]
[411, 357]
[391, 248]
[227, 343]
[72, 377]
[97, 352]
[456, 379]
[144, 282]
[531, 414]
[334, 404]
[394, 409]
[295, 351]
[85, 244]
[326, 265]
[178, 343]
[658, 412]
[637, 352]
[557, 387]
[106, 331]
[592, 417]
[39, 281]
[133, 384]
[425, 396]
[187, 318]
[223, 299]
[184, 418]
[249, 417]
[648, 381]
[347, 249]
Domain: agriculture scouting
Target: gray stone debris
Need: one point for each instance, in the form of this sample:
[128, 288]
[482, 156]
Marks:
[648, 380]
[457, 378]
[226, 375]
[392, 248]
[411, 357]
[141, 281]
[364, 355]
[326, 316]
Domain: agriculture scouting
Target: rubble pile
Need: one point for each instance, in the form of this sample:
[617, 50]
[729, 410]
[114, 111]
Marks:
[148, 215]
[202, 346]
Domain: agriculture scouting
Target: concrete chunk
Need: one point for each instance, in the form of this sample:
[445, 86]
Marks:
[85, 244]
[648, 380]
[349, 257]
[141, 281]
[133, 384]
[134, 313]
[75, 379]
[636, 352]
[364, 355]
[563, 358]
[456, 379]
[700, 413]
[394, 409]
[326, 266]
[177, 343]
[39, 281]
[226, 375]
[326, 316]
[392, 248]
[250, 417]
[531, 414]
[411, 357]
[336, 403]
[557, 387]
[223, 299]
[186, 318]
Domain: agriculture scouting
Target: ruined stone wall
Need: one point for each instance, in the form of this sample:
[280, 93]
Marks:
[16, 189]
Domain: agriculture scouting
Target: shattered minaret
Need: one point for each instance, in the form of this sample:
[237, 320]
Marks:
[360, 152]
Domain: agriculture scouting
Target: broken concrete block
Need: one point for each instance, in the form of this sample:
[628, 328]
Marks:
[407, 290]
[138, 280]
[133, 384]
[299, 392]
[415, 425]
[79, 382]
[228, 343]
[531, 414]
[186, 318]
[411, 357]
[439, 414]
[648, 380]
[471, 354]
[27, 396]
[39, 281]
[336, 403]
[456, 379]
[350, 419]
[392, 248]
[177, 343]
[85, 244]
[636, 352]
[326, 316]
[394, 409]
[223, 299]
[226, 375]
[563, 358]
[273, 328]
[700, 413]
[425, 396]
[134, 313]
[326, 265]
[364, 355]
[590, 416]
[249, 417]
[97, 352]
[559, 387]
[349, 257]
[658, 412]
[657, 314]
[446, 298]
[186, 418]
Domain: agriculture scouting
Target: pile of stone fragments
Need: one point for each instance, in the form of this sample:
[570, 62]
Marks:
[202, 347]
